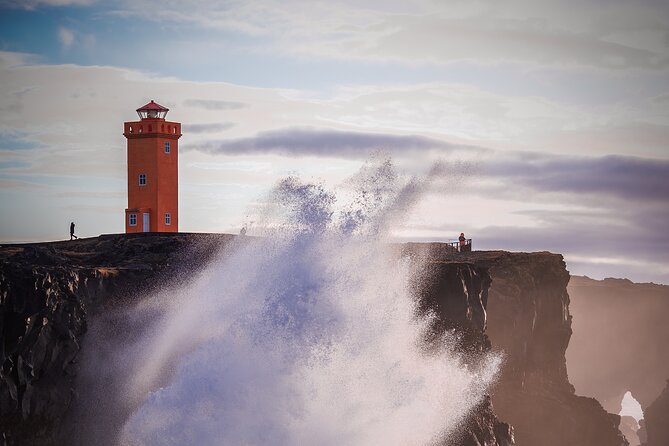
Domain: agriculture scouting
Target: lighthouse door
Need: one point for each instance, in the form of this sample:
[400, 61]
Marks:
[146, 222]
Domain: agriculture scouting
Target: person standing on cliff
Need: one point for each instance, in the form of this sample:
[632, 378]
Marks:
[72, 231]
[463, 241]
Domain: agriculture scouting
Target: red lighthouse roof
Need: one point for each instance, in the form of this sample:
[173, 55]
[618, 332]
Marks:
[152, 110]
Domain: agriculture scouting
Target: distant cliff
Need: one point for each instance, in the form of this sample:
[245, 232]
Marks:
[49, 291]
[656, 415]
[616, 320]
[620, 327]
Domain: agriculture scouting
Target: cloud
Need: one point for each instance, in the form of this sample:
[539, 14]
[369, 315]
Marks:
[65, 36]
[212, 127]
[213, 104]
[623, 177]
[34, 4]
[661, 98]
[296, 141]
[617, 246]
[436, 32]
[500, 40]
[9, 184]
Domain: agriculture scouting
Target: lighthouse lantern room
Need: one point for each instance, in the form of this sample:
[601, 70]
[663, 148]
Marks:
[153, 170]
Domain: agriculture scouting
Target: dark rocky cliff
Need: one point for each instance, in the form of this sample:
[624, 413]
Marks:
[49, 291]
[458, 293]
[529, 319]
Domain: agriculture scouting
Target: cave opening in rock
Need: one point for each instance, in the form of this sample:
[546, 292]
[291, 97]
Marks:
[631, 407]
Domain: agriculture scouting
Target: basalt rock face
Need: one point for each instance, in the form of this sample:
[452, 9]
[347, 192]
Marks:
[457, 293]
[46, 292]
[529, 320]
[630, 429]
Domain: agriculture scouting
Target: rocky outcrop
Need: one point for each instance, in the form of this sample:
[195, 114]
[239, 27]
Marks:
[46, 291]
[529, 320]
[457, 293]
[656, 416]
[616, 320]
[630, 429]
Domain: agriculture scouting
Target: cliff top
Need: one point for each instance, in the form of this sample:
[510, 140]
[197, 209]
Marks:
[133, 250]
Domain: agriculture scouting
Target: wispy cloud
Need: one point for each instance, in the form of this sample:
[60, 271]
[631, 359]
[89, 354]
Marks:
[66, 37]
[483, 32]
[623, 177]
[212, 127]
[329, 143]
[214, 104]
[34, 4]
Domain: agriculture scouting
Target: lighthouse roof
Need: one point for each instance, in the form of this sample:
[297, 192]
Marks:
[152, 110]
[153, 106]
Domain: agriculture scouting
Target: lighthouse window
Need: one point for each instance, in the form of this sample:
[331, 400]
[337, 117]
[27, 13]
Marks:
[142, 179]
[167, 147]
[132, 219]
[168, 218]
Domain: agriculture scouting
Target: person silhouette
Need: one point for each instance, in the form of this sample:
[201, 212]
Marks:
[463, 241]
[72, 231]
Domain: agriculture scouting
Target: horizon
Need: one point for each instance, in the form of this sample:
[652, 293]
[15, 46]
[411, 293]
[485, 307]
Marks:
[553, 121]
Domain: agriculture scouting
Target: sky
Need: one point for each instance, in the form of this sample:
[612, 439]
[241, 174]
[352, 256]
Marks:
[553, 116]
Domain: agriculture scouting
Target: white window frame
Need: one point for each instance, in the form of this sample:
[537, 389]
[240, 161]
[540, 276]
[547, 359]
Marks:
[168, 218]
[142, 179]
[168, 147]
[132, 219]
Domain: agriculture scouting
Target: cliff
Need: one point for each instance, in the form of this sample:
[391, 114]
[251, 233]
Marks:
[47, 293]
[656, 429]
[528, 320]
[616, 320]
[457, 292]
[50, 291]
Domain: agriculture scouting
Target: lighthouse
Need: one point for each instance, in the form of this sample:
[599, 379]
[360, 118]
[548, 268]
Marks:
[153, 171]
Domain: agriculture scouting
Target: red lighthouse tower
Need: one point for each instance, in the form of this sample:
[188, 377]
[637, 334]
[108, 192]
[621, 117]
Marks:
[153, 170]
